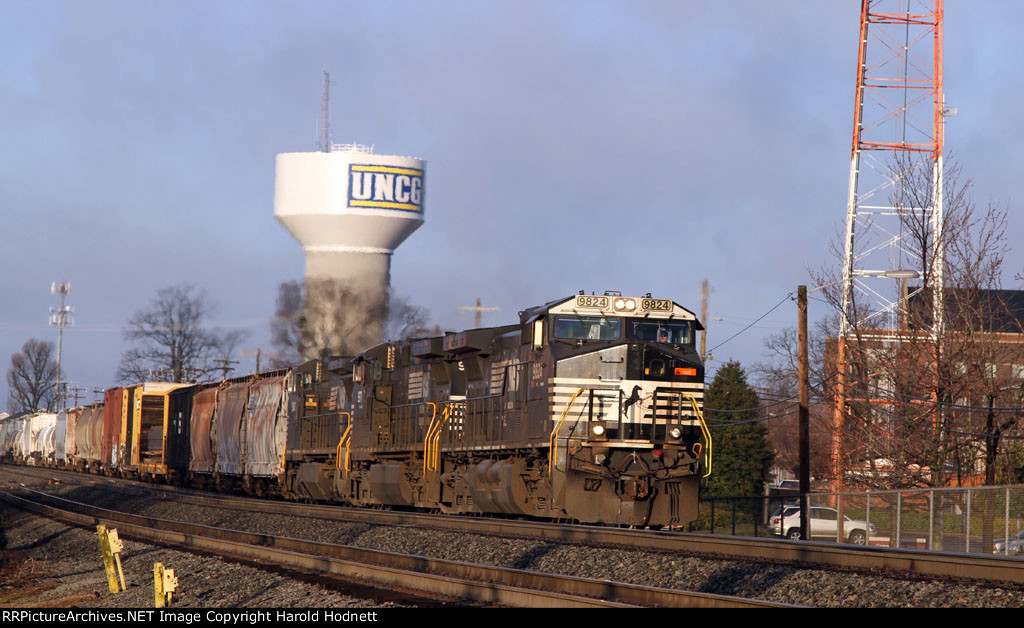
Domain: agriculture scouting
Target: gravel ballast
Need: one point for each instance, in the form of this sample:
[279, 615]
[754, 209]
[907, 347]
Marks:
[773, 582]
[48, 564]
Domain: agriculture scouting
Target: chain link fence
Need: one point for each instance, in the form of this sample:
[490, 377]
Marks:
[984, 520]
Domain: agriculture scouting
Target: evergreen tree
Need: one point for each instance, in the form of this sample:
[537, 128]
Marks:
[742, 454]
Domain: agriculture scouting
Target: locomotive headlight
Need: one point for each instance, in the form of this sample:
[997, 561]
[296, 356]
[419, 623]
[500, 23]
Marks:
[630, 304]
[625, 304]
[620, 304]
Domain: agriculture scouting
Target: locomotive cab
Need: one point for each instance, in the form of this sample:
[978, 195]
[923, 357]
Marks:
[628, 438]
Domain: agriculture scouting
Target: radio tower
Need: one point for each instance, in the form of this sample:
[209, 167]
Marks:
[898, 123]
[59, 317]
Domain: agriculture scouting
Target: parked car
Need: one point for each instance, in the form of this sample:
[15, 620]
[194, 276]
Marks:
[823, 524]
[1016, 544]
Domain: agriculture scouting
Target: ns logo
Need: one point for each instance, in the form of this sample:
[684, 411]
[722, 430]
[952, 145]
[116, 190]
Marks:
[385, 187]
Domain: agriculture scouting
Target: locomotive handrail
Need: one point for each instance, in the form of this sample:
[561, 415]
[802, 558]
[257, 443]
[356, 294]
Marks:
[447, 414]
[435, 437]
[341, 443]
[703, 428]
[426, 437]
[431, 435]
[554, 432]
[432, 457]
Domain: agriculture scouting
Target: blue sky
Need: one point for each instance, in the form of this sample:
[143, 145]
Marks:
[632, 146]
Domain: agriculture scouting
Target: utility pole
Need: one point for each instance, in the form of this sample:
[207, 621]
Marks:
[60, 317]
[225, 366]
[76, 391]
[258, 353]
[704, 289]
[478, 319]
[805, 431]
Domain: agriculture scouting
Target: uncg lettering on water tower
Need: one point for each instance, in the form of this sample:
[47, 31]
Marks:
[385, 187]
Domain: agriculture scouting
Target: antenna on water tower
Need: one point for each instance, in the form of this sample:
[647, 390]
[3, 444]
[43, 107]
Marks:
[324, 137]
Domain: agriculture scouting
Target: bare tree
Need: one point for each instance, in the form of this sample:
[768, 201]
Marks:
[917, 394]
[779, 372]
[326, 317]
[32, 377]
[404, 320]
[173, 341]
[778, 376]
[286, 325]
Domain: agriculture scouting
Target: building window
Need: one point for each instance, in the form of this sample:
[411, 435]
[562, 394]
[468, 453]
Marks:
[1018, 371]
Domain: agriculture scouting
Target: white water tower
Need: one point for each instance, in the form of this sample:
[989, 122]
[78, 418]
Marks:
[350, 209]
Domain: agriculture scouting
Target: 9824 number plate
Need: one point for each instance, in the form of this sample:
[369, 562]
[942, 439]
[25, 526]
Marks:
[656, 305]
[583, 300]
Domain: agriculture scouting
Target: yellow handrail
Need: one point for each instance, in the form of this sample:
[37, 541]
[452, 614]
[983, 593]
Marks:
[427, 435]
[436, 444]
[554, 432]
[703, 428]
[341, 443]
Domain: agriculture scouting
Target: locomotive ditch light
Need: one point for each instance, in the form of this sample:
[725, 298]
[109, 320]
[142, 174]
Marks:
[675, 433]
[598, 431]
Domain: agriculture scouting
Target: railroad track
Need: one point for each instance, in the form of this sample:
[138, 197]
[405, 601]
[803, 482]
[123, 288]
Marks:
[919, 563]
[480, 583]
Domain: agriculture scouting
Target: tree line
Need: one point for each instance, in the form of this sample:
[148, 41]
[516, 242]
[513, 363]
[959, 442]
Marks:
[172, 338]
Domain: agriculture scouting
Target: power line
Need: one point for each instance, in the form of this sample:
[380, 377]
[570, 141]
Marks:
[786, 298]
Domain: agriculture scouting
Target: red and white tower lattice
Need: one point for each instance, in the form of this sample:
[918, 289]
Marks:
[899, 114]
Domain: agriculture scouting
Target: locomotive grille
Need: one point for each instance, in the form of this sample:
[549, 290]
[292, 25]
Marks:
[671, 405]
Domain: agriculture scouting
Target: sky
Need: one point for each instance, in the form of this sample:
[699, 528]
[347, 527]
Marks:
[572, 145]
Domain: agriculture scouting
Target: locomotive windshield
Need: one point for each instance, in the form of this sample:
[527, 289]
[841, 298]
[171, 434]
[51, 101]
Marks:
[587, 328]
[672, 332]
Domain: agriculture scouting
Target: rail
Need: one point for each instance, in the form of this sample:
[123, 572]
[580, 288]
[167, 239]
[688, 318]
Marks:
[987, 567]
[496, 585]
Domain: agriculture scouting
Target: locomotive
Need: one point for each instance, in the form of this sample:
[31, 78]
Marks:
[588, 410]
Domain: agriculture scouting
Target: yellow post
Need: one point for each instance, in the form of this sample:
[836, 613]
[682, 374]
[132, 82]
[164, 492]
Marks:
[164, 585]
[111, 546]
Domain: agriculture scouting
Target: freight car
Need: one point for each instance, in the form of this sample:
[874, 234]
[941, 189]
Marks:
[588, 409]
